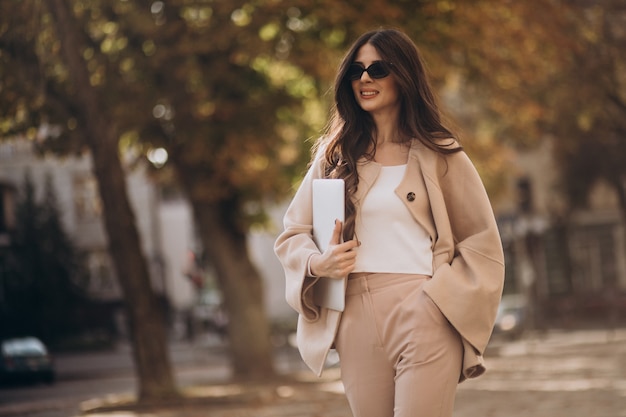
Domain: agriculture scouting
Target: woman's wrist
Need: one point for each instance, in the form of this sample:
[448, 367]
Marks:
[309, 267]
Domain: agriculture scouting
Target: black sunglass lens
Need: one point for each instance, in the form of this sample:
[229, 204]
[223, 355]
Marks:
[377, 70]
[355, 72]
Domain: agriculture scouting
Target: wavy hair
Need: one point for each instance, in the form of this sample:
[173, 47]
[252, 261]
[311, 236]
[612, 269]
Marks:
[351, 130]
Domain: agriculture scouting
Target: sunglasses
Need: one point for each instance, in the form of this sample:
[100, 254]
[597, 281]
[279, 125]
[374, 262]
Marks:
[376, 70]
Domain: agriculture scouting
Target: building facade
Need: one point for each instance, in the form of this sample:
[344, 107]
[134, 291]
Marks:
[165, 227]
[570, 263]
[164, 221]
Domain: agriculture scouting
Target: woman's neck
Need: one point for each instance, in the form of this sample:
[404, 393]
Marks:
[391, 152]
[386, 129]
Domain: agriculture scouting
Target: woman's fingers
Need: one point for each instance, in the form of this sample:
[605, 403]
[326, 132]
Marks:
[336, 237]
[339, 259]
[343, 258]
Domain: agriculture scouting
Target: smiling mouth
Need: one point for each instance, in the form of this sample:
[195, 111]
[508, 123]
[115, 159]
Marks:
[369, 93]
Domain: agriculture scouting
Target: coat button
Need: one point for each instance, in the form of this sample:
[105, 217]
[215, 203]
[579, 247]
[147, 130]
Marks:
[410, 196]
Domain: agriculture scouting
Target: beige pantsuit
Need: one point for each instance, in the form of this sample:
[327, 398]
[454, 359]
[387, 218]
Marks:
[399, 355]
[468, 267]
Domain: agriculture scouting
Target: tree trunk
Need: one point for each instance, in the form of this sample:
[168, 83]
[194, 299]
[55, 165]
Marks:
[242, 290]
[145, 317]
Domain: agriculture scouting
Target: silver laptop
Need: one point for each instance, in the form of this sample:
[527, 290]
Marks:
[328, 205]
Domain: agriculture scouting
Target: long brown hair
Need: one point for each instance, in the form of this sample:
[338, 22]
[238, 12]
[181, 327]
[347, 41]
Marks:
[351, 130]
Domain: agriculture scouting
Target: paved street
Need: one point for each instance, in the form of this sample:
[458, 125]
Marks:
[557, 374]
[578, 374]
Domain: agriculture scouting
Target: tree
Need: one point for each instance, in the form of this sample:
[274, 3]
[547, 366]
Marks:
[550, 69]
[95, 121]
[591, 124]
[229, 89]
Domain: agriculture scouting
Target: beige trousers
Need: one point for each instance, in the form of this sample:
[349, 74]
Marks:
[399, 355]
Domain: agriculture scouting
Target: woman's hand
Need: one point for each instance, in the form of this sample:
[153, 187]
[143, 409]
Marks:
[339, 258]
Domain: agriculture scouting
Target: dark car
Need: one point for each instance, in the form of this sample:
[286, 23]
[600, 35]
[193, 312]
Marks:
[511, 317]
[25, 359]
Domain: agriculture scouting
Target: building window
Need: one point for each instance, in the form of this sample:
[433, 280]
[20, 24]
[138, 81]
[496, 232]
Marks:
[86, 198]
[593, 253]
[102, 282]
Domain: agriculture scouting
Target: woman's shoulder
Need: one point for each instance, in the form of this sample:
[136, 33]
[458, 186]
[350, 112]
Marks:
[447, 144]
[451, 162]
[438, 146]
[440, 151]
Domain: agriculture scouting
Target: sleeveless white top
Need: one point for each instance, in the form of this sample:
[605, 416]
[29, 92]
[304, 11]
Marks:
[391, 240]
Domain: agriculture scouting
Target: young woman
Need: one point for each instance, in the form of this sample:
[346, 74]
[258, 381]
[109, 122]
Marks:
[420, 248]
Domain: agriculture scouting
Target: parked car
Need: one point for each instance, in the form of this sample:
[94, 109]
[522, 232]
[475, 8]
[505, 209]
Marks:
[511, 317]
[26, 359]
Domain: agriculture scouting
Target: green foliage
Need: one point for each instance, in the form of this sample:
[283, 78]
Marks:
[550, 70]
[42, 289]
[233, 90]
[590, 102]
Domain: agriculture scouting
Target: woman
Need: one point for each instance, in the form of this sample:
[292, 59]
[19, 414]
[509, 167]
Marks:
[420, 247]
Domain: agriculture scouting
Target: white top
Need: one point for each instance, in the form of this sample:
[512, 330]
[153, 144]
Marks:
[391, 240]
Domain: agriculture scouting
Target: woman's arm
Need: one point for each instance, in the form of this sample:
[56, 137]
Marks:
[469, 263]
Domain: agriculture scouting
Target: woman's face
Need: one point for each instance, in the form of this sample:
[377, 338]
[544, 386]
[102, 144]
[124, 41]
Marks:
[377, 96]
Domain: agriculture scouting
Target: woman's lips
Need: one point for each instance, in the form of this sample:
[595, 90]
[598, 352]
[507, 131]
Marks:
[368, 93]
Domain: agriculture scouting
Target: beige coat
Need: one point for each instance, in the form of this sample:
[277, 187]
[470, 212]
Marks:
[468, 261]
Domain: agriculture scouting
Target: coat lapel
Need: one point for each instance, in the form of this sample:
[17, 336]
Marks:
[412, 190]
[414, 193]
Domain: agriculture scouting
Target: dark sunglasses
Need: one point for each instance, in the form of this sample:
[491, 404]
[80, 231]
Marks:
[376, 70]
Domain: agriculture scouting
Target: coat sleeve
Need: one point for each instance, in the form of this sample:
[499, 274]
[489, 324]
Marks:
[469, 269]
[295, 245]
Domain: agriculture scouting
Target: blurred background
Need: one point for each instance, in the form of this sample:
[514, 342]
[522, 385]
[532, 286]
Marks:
[148, 150]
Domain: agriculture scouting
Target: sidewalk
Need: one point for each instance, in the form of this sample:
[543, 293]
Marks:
[553, 374]
[119, 361]
[298, 395]
[297, 392]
